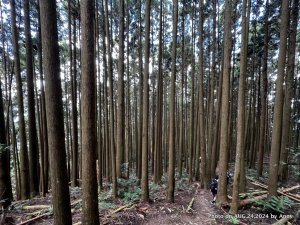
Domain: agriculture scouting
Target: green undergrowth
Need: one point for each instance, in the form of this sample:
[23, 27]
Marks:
[275, 204]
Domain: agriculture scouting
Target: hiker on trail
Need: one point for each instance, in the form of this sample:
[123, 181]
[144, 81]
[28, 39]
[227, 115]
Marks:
[213, 185]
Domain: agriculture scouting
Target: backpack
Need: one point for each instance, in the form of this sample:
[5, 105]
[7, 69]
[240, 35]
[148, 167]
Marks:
[213, 184]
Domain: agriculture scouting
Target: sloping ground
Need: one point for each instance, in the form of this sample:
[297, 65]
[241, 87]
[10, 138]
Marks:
[192, 206]
[202, 211]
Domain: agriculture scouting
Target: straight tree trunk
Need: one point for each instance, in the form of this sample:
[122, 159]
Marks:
[241, 111]
[120, 104]
[159, 103]
[54, 110]
[145, 136]
[278, 104]
[171, 169]
[263, 94]
[204, 178]
[111, 104]
[289, 90]
[33, 145]
[88, 113]
[223, 158]
[24, 163]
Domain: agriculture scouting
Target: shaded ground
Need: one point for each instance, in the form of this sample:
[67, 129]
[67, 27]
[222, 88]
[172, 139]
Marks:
[192, 206]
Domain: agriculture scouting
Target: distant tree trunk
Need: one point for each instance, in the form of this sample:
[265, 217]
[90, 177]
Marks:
[278, 104]
[54, 109]
[140, 125]
[145, 136]
[44, 161]
[223, 158]
[24, 164]
[75, 153]
[263, 94]
[159, 103]
[120, 104]
[171, 170]
[33, 145]
[241, 111]
[211, 95]
[204, 178]
[88, 113]
[111, 104]
[289, 90]
[181, 108]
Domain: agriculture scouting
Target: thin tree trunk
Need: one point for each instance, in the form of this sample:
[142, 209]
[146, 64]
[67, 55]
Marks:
[24, 162]
[33, 146]
[120, 105]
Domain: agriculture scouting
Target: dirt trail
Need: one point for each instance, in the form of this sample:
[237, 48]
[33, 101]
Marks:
[202, 212]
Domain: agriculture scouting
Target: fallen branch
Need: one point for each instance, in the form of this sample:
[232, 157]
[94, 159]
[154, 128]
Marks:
[281, 191]
[33, 219]
[190, 205]
[251, 200]
[121, 208]
[35, 207]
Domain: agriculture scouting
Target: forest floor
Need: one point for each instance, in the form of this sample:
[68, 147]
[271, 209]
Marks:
[192, 206]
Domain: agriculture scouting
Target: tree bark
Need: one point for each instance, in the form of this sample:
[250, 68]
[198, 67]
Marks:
[88, 113]
[24, 163]
[145, 136]
[54, 110]
[171, 169]
[278, 104]
[223, 158]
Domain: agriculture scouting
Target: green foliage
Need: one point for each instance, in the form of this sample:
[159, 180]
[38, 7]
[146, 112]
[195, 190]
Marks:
[232, 219]
[131, 196]
[153, 189]
[106, 205]
[129, 189]
[104, 202]
[275, 204]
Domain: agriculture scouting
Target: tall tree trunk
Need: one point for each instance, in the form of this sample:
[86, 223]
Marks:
[204, 178]
[75, 153]
[171, 170]
[263, 94]
[223, 158]
[120, 104]
[241, 111]
[88, 110]
[24, 164]
[181, 108]
[44, 161]
[54, 109]
[159, 102]
[111, 104]
[145, 136]
[278, 104]
[33, 145]
[289, 90]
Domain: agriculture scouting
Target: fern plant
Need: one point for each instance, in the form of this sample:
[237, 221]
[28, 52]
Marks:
[275, 204]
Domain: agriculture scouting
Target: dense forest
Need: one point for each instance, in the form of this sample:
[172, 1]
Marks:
[110, 109]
